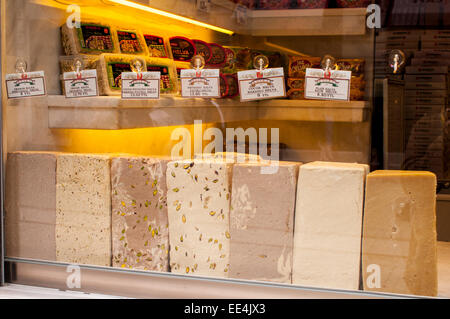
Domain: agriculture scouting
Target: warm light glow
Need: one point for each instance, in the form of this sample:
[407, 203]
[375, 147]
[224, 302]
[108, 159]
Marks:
[171, 15]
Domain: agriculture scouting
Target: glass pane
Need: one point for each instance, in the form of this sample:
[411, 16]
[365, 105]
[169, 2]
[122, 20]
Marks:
[308, 145]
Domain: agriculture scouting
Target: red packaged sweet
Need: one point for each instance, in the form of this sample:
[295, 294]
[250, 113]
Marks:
[223, 86]
[183, 49]
[203, 49]
[233, 85]
[353, 3]
[312, 4]
[299, 64]
[218, 56]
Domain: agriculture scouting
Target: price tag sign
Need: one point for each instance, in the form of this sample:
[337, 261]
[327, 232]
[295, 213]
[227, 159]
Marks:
[200, 83]
[261, 84]
[80, 84]
[28, 84]
[327, 85]
[141, 85]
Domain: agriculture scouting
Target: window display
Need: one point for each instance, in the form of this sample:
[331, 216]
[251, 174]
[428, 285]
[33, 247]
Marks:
[323, 163]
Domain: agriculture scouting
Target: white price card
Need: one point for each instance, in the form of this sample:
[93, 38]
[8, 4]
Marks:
[200, 83]
[327, 85]
[29, 84]
[80, 84]
[261, 84]
[141, 85]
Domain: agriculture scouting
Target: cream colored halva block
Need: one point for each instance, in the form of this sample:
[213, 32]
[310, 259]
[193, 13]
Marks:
[199, 207]
[140, 234]
[399, 234]
[83, 209]
[30, 205]
[328, 221]
[261, 222]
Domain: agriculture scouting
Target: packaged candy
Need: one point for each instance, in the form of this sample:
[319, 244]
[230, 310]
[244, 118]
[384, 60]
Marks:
[90, 38]
[296, 83]
[296, 94]
[299, 64]
[131, 42]
[183, 49]
[109, 72]
[218, 56]
[158, 47]
[223, 86]
[312, 4]
[353, 3]
[203, 49]
[66, 63]
[237, 59]
[169, 83]
[354, 65]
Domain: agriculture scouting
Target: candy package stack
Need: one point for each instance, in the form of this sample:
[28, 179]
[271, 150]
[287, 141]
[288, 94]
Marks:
[169, 83]
[296, 75]
[109, 72]
[357, 84]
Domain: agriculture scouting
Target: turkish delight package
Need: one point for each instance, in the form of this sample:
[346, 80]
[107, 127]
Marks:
[109, 72]
[218, 56]
[169, 83]
[299, 64]
[157, 46]
[203, 49]
[90, 38]
[130, 41]
[183, 49]
[66, 63]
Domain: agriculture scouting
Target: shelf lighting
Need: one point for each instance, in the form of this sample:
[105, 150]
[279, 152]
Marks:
[171, 15]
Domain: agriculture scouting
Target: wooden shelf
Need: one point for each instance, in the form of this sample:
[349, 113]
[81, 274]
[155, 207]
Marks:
[314, 110]
[114, 113]
[308, 22]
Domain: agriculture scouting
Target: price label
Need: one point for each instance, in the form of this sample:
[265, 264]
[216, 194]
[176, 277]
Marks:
[82, 84]
[29, 84]
[141, 85]
[200, 83]
[261, 85]
[327, 85]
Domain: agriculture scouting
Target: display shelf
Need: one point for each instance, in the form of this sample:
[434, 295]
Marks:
[111, 113]
[308, 22]
[314, 110]
[147, 284]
